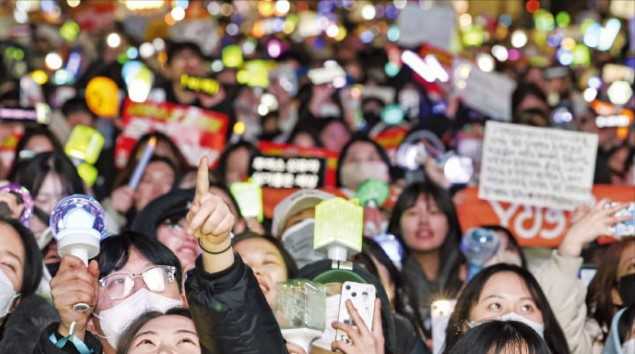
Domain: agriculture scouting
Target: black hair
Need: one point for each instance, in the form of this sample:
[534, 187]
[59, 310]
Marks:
[628, 162]
[178, 160]
[370, 248]
[524, 90]
[599, 299]
[129, 333]
[172, 206]
[292, 268]
[115, 252]
[304, 129]
[553, 334]
[175, 48]
[500, 337]
[32, 272]
[30, 132]
[74, 105]
[408, 198]
[513, 243]
[364, 139]
[625, 323]
[220, 172]
[225, 189]
[31, 173]
[326, 121]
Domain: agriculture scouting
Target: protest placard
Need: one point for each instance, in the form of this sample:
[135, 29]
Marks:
[197, 132]
[435, 25]
[487, 92]
[541, 167]
[268, 148]
[288, 172]
[532, 226]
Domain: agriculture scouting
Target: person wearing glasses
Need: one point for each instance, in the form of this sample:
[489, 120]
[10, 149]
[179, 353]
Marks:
[132, 275]
[135, 274]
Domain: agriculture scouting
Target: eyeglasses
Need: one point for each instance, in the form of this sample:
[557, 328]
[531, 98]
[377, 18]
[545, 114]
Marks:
[120, 285]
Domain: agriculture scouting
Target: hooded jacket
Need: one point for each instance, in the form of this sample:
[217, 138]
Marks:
[613, 344]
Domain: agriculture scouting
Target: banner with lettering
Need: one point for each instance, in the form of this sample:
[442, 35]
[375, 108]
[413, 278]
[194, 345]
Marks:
[197, 132]
[272, 149]
[532, 226]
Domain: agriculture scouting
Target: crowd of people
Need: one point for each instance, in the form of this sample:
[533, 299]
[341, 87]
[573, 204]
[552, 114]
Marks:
[186, 266]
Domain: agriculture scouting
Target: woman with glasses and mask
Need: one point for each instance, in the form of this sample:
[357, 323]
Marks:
[132, 275]
[135, 274]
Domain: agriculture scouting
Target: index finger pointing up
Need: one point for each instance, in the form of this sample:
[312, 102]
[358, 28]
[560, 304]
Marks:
[202, 179]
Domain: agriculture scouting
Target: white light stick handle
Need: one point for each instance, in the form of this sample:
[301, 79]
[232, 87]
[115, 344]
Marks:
[81, 253]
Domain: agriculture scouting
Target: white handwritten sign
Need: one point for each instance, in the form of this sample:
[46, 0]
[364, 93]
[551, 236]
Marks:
[541, 167]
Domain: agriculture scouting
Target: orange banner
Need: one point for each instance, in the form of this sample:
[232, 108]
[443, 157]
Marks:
[532, 226]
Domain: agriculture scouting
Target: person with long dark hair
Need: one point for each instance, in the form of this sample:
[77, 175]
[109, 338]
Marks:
[509, 293]
[501, 337]
[558, 278]
[49, 177]
[425, 221]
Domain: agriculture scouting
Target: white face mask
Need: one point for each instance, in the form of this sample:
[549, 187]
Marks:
[116, 319]
[298, 241]
[629, 346]
[513, 316]
[354, 173]
[329, 109]
[7, 295]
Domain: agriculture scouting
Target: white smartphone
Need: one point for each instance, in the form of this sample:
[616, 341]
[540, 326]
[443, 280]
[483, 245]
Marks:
[363, 298]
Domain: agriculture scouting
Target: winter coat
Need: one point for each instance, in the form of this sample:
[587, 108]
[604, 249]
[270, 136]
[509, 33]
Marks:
[613, 344]
[230, 313]
[566, 293]
[23, 325]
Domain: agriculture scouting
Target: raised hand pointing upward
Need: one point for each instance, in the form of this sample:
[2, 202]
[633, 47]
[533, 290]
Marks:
[211, 221]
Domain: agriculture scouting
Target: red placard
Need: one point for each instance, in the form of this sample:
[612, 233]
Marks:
[197, 132]
[275, 149]
[532, 226]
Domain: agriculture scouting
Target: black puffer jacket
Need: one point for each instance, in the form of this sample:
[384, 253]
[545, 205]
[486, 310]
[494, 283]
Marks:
[230, 312]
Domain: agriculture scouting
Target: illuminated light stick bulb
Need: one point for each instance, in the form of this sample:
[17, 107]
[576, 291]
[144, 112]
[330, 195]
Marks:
[27, 200]
[300, 310]
[479, 246]
[77, 223]
[143, 162]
